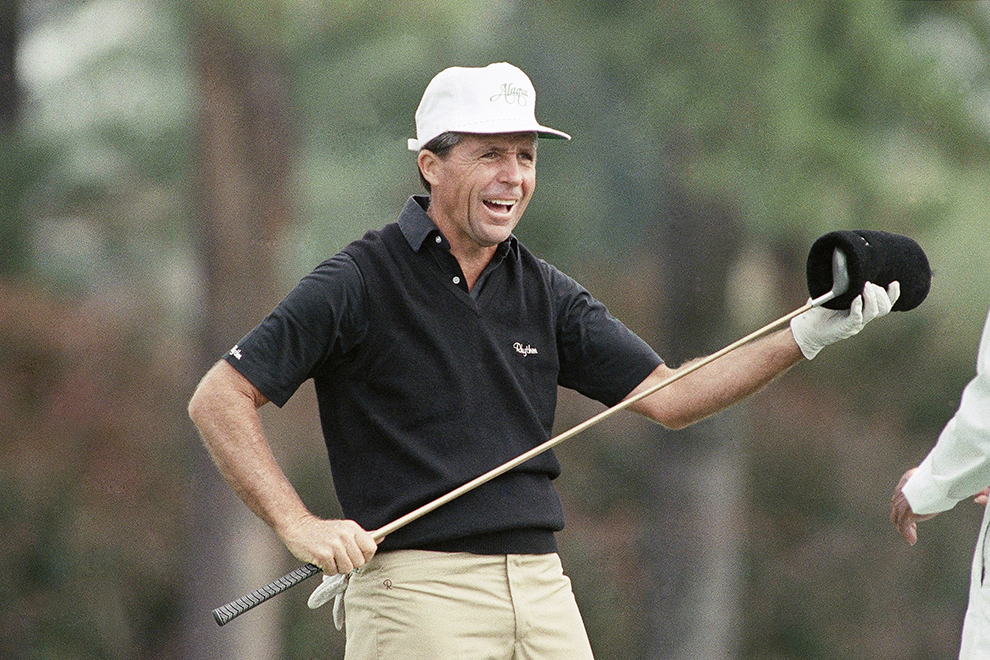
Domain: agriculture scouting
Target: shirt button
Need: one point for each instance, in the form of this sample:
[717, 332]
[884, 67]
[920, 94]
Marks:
[439, 240]
[457, 280]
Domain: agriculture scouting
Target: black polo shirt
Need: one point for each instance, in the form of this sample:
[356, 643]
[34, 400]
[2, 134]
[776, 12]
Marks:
[423, 385]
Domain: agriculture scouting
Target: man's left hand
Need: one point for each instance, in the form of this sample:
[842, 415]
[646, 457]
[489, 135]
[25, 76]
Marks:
[818, 327]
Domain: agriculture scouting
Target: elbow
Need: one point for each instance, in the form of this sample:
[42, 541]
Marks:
[666, 413]
[677, 424]
[203, 399]
[667, 420]
[197, 406]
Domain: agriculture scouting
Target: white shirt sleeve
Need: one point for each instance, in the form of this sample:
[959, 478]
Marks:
[958, 466]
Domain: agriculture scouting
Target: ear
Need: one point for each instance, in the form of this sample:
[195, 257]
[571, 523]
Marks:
[429, 164]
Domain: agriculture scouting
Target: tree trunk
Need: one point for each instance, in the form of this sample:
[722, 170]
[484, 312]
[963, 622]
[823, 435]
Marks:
[692, 549]
[13, 233]
[244, 207]
[9, 92]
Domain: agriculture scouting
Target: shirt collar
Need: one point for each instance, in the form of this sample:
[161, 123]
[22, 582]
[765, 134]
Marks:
[416, 226]
[414, 222]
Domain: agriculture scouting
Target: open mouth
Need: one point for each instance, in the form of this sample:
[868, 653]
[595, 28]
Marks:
[500, 205]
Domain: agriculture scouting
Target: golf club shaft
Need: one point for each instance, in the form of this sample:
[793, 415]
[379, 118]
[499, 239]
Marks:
[398, 523]
[237, 607]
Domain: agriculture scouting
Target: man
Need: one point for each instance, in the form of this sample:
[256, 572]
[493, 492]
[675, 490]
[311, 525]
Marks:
[436, 346]
[957, 467]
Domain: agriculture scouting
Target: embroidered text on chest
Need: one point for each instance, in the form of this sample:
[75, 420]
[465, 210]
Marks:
[524, 350]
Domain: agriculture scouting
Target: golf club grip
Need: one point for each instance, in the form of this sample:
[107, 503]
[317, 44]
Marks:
[237, 607]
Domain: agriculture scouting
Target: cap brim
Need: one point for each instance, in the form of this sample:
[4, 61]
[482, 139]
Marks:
[415, 144]
[553, 133]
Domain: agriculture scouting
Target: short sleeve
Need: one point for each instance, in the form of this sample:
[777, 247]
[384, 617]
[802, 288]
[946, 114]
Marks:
[599, 356]
[321, 318]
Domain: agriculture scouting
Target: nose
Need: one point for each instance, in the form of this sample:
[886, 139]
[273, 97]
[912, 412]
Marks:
[511, 171]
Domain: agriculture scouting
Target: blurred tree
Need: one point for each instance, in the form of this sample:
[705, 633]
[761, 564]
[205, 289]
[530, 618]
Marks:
[9, 90]
[12, 240]
[91, 515]
[243, 156]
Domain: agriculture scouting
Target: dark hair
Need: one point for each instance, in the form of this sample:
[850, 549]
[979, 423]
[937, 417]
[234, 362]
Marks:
[441, 146]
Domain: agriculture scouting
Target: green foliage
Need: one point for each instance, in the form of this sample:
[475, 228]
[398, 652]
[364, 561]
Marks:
[20, 169]
[109, 129]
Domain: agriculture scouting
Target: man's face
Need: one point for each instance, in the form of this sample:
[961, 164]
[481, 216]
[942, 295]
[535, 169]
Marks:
[481, 189]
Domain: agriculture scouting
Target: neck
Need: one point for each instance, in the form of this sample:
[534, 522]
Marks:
[471, 257]
[474, 264]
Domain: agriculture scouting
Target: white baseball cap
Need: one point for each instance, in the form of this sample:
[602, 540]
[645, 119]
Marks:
[498, 98]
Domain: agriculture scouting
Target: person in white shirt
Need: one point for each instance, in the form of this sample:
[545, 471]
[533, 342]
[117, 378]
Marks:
[957, 467]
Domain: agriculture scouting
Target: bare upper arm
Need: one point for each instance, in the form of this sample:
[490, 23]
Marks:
[220, 381]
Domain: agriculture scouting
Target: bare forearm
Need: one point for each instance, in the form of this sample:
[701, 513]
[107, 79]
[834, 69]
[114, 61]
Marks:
[720, 384]
[225, 413]
[225, 410]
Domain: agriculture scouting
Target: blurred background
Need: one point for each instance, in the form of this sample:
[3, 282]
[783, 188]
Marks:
[169, 170]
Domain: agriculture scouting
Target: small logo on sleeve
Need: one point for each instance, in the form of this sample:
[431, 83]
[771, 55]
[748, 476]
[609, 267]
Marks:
[236, 352]
[524, 350]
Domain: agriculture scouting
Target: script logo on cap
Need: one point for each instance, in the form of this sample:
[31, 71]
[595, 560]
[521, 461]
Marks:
[512, 94]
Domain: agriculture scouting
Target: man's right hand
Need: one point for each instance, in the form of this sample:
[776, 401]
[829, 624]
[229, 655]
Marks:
[336, 546]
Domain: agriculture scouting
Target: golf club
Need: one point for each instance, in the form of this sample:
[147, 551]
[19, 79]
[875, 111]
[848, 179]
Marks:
[226, 613]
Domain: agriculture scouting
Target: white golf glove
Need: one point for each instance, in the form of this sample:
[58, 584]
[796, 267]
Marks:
[333, 586]
[818, 327]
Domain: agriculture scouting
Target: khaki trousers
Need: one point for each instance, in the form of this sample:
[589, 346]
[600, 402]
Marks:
[418, 605]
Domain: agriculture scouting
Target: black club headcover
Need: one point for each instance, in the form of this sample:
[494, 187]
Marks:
[871, 256]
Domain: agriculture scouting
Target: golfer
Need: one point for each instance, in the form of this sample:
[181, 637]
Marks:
[436, 345]
[957, 467]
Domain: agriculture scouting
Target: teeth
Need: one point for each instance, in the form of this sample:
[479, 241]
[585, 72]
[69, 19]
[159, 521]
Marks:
[503, 202]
